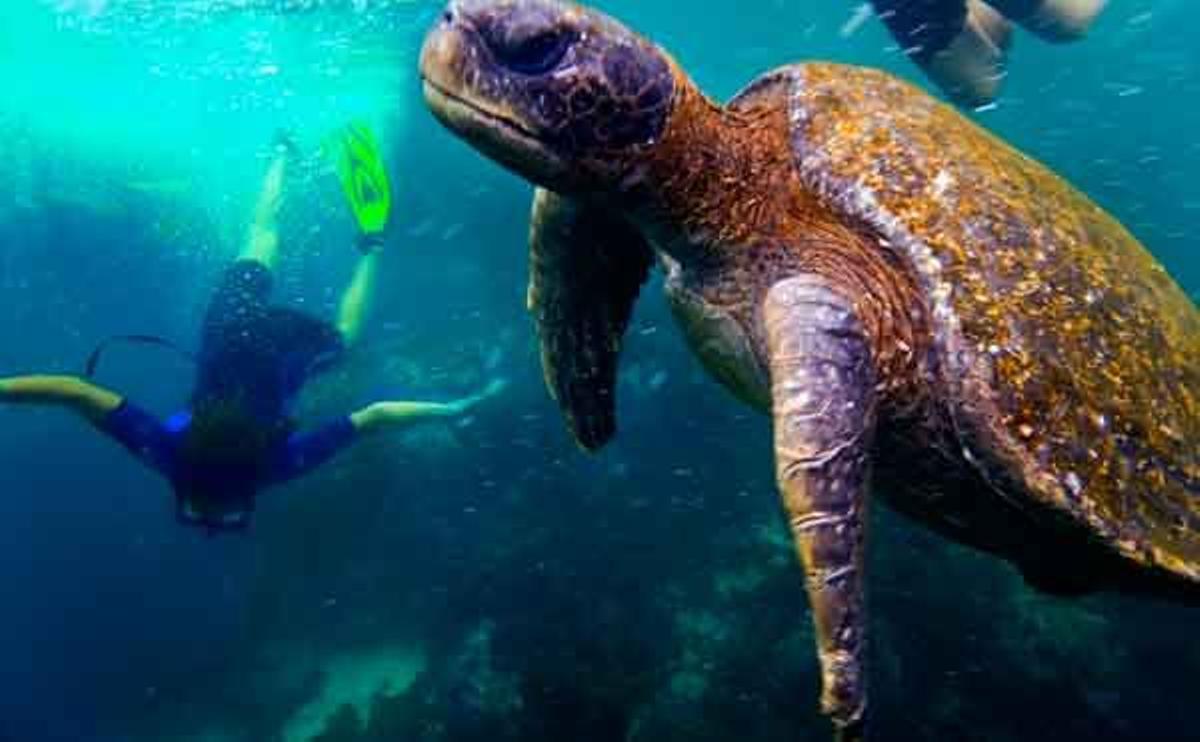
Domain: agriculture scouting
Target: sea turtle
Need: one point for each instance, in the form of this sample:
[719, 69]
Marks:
[899, 289]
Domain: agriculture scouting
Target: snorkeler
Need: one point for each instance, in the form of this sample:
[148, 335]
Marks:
[962, 44]
[237, 436]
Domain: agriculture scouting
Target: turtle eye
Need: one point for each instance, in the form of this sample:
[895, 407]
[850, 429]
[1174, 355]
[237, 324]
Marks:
[531, 51]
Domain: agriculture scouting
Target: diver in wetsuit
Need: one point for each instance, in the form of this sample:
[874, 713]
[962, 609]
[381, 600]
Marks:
[237, 437]
[961, 44]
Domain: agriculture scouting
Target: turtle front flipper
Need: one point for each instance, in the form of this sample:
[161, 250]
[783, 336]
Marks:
[585, 272]
[823, 404]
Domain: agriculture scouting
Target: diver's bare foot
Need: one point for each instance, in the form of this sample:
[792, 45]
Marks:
[971, 68]
[1064, 20]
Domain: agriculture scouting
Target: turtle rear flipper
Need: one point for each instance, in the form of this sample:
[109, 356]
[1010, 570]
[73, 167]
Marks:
[586, 269]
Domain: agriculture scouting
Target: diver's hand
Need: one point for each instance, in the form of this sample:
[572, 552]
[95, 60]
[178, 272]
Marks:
[390, 415]
[494, 387]
[87, 399]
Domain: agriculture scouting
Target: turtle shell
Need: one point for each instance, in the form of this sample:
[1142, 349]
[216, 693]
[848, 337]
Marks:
[1070, 360]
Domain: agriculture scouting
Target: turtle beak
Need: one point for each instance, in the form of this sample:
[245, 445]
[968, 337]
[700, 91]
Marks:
[441, 54]
[463, 87]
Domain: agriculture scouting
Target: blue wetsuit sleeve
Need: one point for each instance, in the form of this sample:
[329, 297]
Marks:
[142, 434]
[304, 452]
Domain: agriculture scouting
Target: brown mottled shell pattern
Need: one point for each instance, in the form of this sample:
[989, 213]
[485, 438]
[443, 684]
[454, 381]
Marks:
[1073, 358]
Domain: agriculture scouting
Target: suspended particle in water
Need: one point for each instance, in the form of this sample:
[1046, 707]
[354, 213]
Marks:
[857, 20]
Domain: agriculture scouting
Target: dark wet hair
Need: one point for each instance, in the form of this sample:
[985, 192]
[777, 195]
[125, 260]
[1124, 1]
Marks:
[226, 444]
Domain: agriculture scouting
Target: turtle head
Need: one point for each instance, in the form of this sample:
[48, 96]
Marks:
[562, 95]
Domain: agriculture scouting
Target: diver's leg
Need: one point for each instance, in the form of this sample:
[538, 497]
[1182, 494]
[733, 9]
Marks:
[960, 44]
[234, 319]
[356, 301]
[971, 67]
[1053, 20]
[262, 243]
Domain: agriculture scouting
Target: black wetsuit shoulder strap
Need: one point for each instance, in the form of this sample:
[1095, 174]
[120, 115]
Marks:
[94, 359]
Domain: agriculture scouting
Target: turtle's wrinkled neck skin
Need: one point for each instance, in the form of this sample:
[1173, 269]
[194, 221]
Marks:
[719, 196]
[709, 164]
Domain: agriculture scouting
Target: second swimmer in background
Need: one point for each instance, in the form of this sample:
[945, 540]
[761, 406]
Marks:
[962, 44]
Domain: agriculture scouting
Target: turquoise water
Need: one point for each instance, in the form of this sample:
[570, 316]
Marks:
[483, 579]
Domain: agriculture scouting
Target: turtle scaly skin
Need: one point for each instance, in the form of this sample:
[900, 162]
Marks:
[905, 295]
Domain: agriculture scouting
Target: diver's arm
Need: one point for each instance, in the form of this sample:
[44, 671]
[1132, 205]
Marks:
[382, 416]
[307, 451]
[129, 425]
[85, 398]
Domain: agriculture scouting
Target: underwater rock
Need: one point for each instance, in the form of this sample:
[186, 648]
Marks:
[460, 697]
[480, 690]
[352, 684]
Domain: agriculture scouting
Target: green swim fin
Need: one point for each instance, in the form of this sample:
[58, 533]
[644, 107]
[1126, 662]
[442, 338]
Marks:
[355, 155]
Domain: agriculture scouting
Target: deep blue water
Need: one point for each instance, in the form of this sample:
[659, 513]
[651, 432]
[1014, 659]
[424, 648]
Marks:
[643, 593]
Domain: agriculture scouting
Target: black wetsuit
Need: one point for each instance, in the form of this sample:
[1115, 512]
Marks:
[925, 27]
[260, 355]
